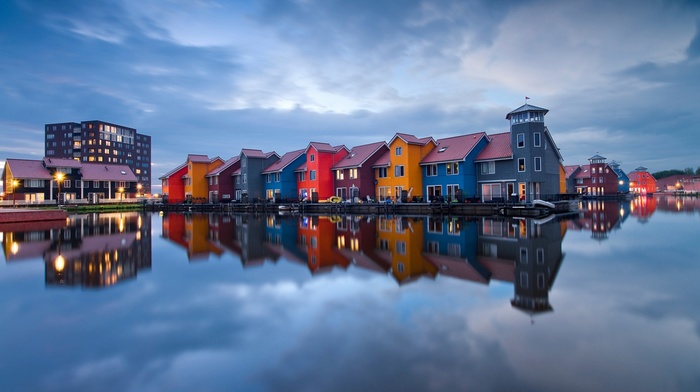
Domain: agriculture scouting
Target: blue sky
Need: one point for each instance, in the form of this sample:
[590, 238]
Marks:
[620, 78]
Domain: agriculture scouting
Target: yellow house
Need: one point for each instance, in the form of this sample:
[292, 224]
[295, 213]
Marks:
[399, 169]
[196, 184]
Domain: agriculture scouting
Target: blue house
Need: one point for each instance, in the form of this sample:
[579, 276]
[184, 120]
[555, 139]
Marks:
[623, 183]
[449, 170]
[280, 179]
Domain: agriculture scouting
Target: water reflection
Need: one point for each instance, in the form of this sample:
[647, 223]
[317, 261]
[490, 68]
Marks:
[523, 252]
[91, 250]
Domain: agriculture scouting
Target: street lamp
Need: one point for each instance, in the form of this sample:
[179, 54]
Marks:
[138, 189]
[59, 177]
[121, 193]
[14, 184]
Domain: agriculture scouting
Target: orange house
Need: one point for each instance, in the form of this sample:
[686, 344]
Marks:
[398, 172]
[195, 181]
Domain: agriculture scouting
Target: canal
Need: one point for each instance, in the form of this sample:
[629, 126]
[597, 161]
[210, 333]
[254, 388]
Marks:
[604, 299]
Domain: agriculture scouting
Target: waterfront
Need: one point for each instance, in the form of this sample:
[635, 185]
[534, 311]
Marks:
[603, 300]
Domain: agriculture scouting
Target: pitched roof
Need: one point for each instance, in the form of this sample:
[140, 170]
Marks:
[527, 108]
[384, 160]
[61, 162]
[27, 168]
[585, 172]
[358, 155]
[325, 147]
[454, 148]
[497, 148]
[410, 139]
[251, 153]
[283, 162]
[198, 158]
[172, 172]
[570, 169]
[223, 167]
[101, 172]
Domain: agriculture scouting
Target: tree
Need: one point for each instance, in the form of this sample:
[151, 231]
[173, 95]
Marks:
[697, 171]
[688, 170]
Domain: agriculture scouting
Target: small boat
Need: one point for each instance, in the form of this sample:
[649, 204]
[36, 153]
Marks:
[543, 203]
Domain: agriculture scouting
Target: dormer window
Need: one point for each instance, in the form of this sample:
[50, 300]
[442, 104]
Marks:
[442, 149]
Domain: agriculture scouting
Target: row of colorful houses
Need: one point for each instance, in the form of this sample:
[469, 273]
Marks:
[522, 164]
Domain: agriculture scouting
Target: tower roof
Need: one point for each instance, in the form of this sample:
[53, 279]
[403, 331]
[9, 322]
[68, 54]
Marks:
[527, 108]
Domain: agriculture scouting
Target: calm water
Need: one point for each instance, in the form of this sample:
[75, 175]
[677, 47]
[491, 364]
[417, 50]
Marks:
[604, 300]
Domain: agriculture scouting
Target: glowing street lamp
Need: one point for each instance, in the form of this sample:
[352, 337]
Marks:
[121, 192]
[138, 189]
[14, 183]
[59, 178]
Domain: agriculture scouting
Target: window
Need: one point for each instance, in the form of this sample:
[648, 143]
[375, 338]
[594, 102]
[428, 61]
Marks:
[277, 177]
[521, 140]
[268, 178]
[398, 171]
[537, 140]
[523, 255]
[245, 178]
[105, 184]
[339, 174]
[302, 176]
[312, 158]
[452, 190]
[95, 184]
[312, 175]
[540, 255]
[521, 164]
[488, 167]
[399, 151]
[523, 280]
[353, 173]
[453, 168]
[538, 164]
[381, 172]
[400, 247]
[600, 180]
[431, 170]
[78, 184]
[593, 170]
[593, 179]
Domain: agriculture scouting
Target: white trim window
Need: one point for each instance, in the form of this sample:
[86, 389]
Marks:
[538, 164]
[431, 170]
[521, 165]
[488, 167]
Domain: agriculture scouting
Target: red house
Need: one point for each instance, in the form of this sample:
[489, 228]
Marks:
[597, 178]
[642, 182]
[315, 181]
[173, 184]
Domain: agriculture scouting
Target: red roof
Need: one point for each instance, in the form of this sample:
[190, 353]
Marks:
[570, 169]
[283, 162]
[358, 155]
[325, 147]
[585, 172]
[454, 148]
[27, 169]
[384, 161]
[497, 148]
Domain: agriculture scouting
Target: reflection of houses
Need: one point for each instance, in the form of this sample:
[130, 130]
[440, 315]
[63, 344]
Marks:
[599, 217]
[191, 231]
[400, 242]
[643, 207]
[525, 253]
[355, 238]
[316, 240]
[99, 250]
[450, 245]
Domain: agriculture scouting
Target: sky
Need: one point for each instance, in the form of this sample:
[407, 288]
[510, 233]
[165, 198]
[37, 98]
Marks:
[619, 78]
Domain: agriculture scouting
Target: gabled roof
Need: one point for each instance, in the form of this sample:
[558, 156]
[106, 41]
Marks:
[527, 108]
[302, 167]
[358, 155]
[198, 158]
[61, 162]
[223, 167]
[410, 139]
[27, 169]
[172, 172]
[283, 162]
[101, 172]
[497, 148]
[325, 147]
[585, 172]
[251, 153]
[384, 160]
[596, 157]
[571, 169]
[454, 148]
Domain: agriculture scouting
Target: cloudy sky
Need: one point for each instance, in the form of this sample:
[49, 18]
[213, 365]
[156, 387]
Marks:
[620, 78]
